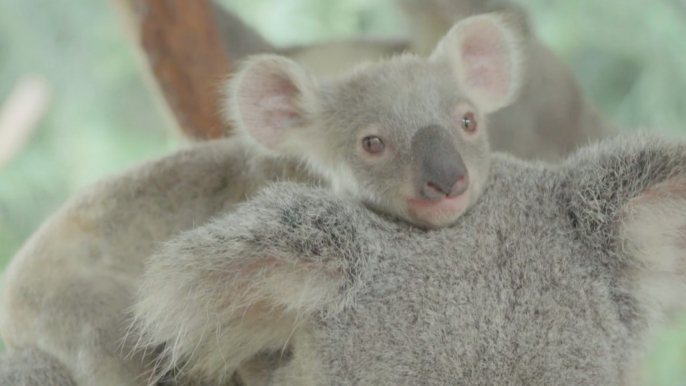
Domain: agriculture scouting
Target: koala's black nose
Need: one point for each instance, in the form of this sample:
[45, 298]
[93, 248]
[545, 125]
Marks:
[437, 191]
[440, 169]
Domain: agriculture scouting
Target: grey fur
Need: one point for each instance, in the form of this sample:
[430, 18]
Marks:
[550, 119]
[65, 293]
[68, 290]
[43, 370]
[415, 106]
[556, 277]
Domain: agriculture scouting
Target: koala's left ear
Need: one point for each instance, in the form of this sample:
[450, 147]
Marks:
[652, 237]
[271, 99]
[486, 56]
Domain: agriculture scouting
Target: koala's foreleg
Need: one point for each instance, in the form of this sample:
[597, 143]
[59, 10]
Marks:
[249, 282]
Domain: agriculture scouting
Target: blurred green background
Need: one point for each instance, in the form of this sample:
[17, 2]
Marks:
[629, 56]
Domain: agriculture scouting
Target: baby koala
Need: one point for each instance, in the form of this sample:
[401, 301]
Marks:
[407, 136]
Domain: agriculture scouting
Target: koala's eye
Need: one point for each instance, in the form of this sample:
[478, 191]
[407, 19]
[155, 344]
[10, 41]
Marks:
[372, 145]
[469, 123]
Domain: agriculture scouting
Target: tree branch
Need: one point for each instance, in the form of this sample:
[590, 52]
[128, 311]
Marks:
[183, 57]
[20, 114]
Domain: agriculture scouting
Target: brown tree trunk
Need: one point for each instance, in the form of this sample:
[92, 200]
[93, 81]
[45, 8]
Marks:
[183, 56]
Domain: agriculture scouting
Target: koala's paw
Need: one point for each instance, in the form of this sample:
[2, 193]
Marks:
[291, 220]
[250, 277]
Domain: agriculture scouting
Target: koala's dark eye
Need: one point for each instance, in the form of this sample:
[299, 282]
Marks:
[373, 145]
[469, 123]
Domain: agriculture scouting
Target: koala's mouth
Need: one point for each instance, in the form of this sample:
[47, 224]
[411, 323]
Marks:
[441, 212]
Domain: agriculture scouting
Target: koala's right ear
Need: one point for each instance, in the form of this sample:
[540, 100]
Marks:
[269, 98]
[486, 55]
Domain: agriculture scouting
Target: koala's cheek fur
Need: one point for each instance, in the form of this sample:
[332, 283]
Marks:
[479, 172]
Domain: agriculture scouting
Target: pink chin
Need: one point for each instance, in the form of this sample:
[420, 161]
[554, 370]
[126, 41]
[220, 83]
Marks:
[438, 212]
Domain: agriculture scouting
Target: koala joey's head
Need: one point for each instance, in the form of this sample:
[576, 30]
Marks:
[406, 135]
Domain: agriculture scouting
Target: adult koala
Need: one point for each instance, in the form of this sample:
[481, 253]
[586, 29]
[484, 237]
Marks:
[556, 277]
[68, 291]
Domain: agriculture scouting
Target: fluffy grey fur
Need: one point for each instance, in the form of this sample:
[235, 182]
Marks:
[556, 277]
[415, 107]
[33, 367]
[67, 291]
[551, 117]
[398, 100]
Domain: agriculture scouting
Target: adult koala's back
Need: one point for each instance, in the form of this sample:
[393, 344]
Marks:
[554, 278]
[511, 296]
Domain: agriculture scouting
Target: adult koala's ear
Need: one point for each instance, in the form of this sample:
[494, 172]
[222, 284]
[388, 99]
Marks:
[271, 98]
[627, 200]
[486, 56]
[652, 234]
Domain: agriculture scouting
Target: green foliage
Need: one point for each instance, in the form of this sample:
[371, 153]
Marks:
[101, 118]
[288, 22]
[666, 365]
[629, 55]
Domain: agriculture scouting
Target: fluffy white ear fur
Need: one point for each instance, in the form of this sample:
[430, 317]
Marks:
[653, 236]
[269, 98]
[486, 56]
